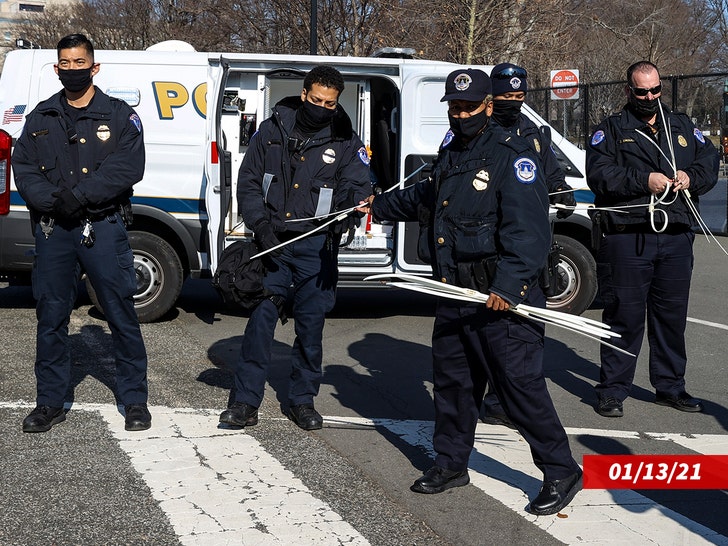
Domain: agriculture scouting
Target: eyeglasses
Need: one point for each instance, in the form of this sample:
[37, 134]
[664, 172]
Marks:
[641, 92]
[509, 72]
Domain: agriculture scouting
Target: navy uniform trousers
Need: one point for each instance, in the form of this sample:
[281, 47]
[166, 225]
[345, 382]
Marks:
[109, 264]
[310, 265]
[472, 346]
[641, 272]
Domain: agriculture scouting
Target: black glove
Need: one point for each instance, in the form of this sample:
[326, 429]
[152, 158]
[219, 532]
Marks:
[566, 198]
[353, 219]
[266, 237]
[66, 205]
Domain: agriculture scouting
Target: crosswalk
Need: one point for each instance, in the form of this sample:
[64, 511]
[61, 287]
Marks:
[220, 486]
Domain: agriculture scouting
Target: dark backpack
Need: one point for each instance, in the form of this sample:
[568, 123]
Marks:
[238, 279]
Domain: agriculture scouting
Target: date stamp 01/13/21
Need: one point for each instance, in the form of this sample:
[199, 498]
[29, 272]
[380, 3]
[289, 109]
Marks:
[655, 471]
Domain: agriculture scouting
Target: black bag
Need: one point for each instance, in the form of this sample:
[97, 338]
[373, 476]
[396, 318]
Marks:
[238, 279]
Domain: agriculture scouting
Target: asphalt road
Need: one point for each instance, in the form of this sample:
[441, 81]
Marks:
[88, 482]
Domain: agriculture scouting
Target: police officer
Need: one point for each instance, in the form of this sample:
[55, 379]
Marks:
[75, 163]
[649, 164]
[304, 162]
[488, 229]
[510, 85]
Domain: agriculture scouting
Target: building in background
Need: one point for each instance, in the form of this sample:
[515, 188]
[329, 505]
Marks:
[14, 12]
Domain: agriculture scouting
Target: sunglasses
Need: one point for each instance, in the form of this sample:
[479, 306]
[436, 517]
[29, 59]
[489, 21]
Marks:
[507, 73]
[641, 92]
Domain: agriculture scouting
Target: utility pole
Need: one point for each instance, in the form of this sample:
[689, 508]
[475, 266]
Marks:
[314, 36]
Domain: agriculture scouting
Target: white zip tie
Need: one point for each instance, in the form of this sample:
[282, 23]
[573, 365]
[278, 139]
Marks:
[306, 234]
[589, 328]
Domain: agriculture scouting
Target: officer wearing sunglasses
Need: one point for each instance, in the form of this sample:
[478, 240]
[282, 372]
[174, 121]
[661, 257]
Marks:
[639, 163]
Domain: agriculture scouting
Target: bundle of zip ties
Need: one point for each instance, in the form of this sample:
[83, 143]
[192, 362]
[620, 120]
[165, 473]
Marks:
[592, 329]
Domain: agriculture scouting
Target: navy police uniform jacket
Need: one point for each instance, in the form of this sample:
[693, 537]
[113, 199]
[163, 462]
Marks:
[109, 144]
[540, 140]
[621, 157]
[487, 202]
[276, 182]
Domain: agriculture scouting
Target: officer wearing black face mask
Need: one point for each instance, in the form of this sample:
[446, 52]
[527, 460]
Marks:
[510, 85]
[488, 229]
[645, 254]
[75, 163]
[304, 162]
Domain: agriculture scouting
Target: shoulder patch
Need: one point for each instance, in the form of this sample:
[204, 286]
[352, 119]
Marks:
[597, 137]
[136, 122]
[699, 135]
[448, 138]
[525, 170]
[363, 155]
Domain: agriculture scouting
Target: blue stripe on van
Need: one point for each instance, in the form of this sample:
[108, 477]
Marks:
[170, 205]
[584, 196]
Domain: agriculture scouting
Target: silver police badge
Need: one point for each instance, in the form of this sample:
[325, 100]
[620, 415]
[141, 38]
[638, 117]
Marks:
[103, 133]
[329, 156]
[480, 182]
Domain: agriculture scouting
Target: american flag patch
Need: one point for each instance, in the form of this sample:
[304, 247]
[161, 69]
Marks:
[14, 114]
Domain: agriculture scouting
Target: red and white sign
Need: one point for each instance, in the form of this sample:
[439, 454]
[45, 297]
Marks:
[566, 83]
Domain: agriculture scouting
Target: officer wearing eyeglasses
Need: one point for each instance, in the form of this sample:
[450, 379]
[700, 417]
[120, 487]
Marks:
[510, 85]
[487, 229]
[648, 165]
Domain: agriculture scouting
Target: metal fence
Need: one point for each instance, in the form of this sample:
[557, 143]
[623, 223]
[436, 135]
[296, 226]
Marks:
[703, 97]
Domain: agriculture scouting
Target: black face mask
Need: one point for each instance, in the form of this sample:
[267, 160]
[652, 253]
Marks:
[645, 108]
[469, 128]
[75, 80]
[506, 112]
[311, 118]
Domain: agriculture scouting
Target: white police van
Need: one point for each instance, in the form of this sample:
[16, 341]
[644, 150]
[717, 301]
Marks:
[199, 111]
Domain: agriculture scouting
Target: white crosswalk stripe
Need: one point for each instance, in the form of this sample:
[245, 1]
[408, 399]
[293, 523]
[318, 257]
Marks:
[221, 486]
[502, 467]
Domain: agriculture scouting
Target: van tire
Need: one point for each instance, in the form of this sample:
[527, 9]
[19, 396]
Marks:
[159, 276]
[578, 277]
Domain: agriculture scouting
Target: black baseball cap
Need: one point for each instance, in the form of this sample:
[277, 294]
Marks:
[468, 84]
[507, 77]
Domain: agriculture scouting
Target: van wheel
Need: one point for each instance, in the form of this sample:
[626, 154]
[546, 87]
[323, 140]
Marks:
[577, 278]
[159, 276]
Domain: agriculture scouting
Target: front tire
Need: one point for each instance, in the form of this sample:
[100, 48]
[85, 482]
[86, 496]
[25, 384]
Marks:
[159, 276]
[577, 278]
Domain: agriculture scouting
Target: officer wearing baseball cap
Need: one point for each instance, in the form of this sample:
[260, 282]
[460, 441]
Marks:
[468, 85]
[487, 229]
[509, 83]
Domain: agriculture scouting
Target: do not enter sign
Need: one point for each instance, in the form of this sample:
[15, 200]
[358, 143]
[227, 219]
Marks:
[566, 84]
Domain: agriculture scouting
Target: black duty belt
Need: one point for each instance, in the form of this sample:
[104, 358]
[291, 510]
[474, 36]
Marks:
[672, 229]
